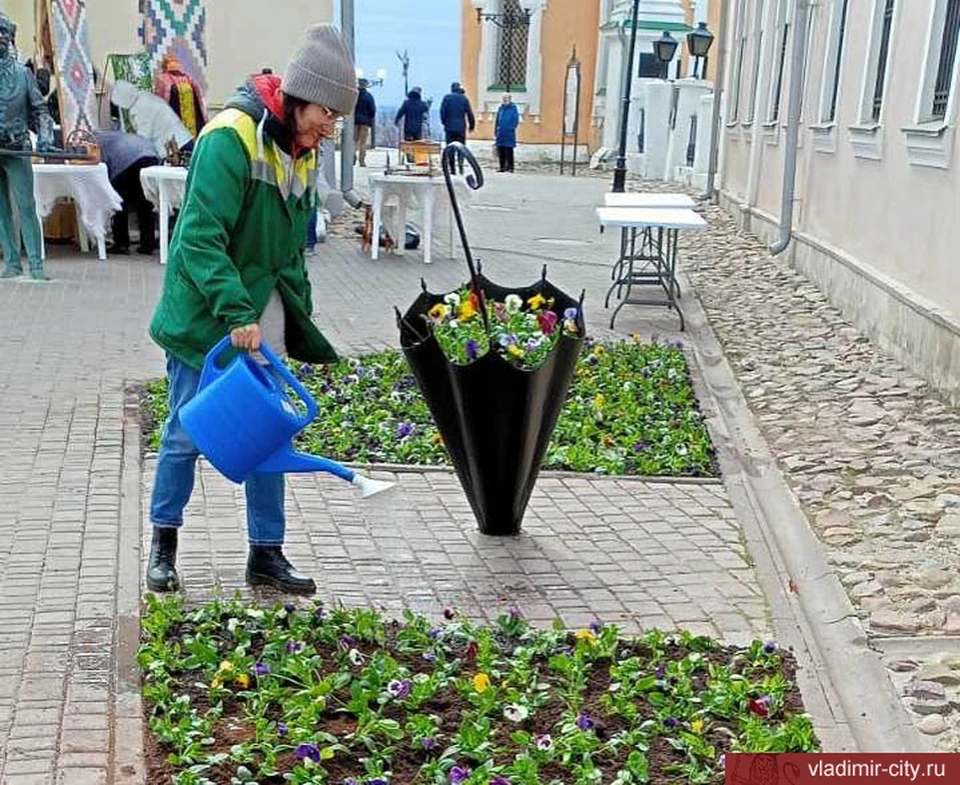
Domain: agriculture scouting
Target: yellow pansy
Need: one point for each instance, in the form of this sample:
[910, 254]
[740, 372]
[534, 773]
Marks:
[242, 681]
[515, 351]
[536, 302]
[697, 727]
[467, 310]
[481, 682]
[225, 667]
[436, 439]
[437, 312]
[599, 400]
[587, 635]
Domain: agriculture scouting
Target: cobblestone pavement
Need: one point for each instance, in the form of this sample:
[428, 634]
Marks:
[639, 554]
[871, 451]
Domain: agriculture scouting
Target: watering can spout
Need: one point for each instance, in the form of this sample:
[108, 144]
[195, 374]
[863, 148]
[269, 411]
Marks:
[287, 460]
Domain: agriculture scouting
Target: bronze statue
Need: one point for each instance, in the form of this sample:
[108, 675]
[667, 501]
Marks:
[22, 109]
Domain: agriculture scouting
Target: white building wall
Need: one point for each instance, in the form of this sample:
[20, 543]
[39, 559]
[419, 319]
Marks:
[876, 203]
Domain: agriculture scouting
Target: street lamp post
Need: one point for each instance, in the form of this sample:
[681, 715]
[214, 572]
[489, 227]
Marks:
[506, 20]
[620, 173]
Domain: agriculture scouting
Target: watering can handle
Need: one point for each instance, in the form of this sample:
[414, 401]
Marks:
[211, 372]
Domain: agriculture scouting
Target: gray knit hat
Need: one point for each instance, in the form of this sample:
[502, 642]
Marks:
[322, 70]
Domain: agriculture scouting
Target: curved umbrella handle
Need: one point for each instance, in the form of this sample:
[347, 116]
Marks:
[455, 153]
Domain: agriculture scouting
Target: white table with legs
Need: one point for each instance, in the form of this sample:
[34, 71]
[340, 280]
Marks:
[165, 187]
[648, 199]
[655, 263]
[89, 188]
[427, 191]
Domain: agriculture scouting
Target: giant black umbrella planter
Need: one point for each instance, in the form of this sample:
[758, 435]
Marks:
[495, 418]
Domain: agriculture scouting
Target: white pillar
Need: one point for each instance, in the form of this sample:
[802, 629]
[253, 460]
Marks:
[689, 93]
[701, 12]
[656, 127]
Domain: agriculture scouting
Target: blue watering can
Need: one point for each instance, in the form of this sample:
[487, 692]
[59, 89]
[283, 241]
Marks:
[242, 420]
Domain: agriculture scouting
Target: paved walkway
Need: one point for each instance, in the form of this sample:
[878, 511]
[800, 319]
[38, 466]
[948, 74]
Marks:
[655, 554]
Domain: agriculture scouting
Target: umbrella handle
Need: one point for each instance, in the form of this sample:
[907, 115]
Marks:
[455, 153]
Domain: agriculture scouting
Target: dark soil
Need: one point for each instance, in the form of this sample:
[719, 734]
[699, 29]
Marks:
[234, 728]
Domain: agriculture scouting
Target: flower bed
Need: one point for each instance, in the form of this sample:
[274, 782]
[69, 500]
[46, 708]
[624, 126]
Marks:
[239, 695]
[631, 410]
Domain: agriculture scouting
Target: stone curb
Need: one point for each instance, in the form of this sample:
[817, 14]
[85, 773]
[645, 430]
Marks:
[127, 766]
[845, 685]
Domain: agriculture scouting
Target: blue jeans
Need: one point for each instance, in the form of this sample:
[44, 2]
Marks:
[173, 484]
[312, 230]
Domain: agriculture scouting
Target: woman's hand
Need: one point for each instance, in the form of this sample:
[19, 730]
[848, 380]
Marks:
[247, 337]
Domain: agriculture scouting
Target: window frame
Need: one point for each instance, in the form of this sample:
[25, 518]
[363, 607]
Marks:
[832, 83]
[779, 57]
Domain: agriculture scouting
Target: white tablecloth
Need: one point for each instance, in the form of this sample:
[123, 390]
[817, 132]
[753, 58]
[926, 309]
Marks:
[165, 187]
[88, 186]
[174, 180]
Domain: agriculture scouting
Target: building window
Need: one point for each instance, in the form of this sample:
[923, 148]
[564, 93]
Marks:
[879, 55]
[512, 49]
[833, 67]
[780, 61]
[945, 59]
[738, 64]
[757, 53]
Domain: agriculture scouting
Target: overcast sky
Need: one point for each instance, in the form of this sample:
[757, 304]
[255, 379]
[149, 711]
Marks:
[428, 29]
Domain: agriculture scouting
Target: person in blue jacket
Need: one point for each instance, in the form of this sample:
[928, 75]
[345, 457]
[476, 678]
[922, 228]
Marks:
[456, 114]
[413, 112]
[508, 118]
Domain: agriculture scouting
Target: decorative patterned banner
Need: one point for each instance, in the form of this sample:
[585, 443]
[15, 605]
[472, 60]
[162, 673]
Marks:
[78, 101]
[176, 27]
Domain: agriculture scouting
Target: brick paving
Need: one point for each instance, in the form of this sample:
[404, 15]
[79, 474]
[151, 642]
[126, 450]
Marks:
[638, 553]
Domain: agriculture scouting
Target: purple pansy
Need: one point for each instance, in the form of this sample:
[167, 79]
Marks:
[671, 722]
[515, 612]
[769, 647]
[311, 751]
[399, 688]
[585, 722]
[428, 743]
[294, 647]
[261, 669]
[473, 349]
[570, 313]
[282, 729]
[459, 774]
[499, 779]
[596, 627]
[404, 429]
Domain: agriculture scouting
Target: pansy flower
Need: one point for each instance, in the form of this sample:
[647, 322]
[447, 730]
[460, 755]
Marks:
[512, 303]
[585, 722]
[472, 349]
[548, 322]
[543, 741]
[516, 712]
[481, 682]
[261, 669]
[438, 312]
[536, 302]
[399, 688]
[309, 751]
[458, 775]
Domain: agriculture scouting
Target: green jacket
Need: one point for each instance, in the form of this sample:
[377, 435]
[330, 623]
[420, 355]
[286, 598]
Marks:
[240, 235]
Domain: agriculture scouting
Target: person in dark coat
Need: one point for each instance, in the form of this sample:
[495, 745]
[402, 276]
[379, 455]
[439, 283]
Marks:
[413, 112]
[456, 114]
[364, 116]
[508, 118]
[125, 156]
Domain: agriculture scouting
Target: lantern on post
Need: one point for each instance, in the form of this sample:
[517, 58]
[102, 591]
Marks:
[699, 42]
[664, 48]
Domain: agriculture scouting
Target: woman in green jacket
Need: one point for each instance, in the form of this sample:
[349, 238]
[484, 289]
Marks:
[237, 267]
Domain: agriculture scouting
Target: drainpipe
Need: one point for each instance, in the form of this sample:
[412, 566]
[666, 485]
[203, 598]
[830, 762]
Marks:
[801, 19]
[712, 166]
[346, 140]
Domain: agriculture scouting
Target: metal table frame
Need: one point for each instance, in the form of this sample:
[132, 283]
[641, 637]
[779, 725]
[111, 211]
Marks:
[655, 262]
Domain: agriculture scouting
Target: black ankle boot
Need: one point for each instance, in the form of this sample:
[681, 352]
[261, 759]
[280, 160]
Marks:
[267, 566]
[162, 568]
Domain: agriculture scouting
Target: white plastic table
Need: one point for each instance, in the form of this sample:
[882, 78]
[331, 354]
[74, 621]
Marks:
[656, 262]
[647, 199]
[422, 189]
[165, 187]
[89, 188]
